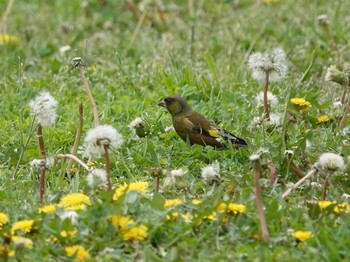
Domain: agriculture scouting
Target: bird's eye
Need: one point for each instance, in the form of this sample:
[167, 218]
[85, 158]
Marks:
[168, 100]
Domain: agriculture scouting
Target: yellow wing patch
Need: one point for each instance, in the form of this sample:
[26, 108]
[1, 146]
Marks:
[214, 133]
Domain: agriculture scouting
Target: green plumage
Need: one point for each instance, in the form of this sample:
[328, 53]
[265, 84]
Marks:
[195, 128]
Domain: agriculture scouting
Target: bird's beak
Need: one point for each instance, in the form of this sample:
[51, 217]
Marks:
[162, 103]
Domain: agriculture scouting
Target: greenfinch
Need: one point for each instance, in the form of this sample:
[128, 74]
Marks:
[195, 128]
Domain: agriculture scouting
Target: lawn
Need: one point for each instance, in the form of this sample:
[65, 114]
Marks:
[170, 201]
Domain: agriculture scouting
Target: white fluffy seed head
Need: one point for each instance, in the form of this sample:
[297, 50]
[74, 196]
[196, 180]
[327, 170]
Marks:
[101, 137]
[331, 162]
[273, 62]
[97, 177]
[173, 176]
[43, 108]
[271, 99]
[137, 123]
[71, 215]
[275, 119]
[211, 173]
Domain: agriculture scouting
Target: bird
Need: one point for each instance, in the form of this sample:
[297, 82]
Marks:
[195, 128]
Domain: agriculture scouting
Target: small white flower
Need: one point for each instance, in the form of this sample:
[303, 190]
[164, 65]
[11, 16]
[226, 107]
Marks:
[257, 121]
[173, 176]
[345, 196]
[64, 49]
[271, 99]
[275, 119]
[168, 129]
[97, 177]
[273, 62]
[211, 173]
[100, 137]
[37, 164]
[43, 108]
[331, 162]
[71, 215]
[254, 158]
[178, 172]
[337, 104]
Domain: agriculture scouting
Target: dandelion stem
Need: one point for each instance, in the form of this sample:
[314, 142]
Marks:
[345, 115]
[157, 184]
[312, 172]
[77, 136]
[266, 86]
[43, 167]
[296, 170]
[258, 195]
[325, 187]
[343, 96]
[74, 158]
[91, 98]
[108, 168]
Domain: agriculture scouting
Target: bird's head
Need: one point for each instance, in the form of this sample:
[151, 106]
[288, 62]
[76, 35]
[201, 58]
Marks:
[175, 105]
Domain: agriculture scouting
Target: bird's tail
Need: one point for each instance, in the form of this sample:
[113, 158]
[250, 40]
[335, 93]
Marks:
[232, 138]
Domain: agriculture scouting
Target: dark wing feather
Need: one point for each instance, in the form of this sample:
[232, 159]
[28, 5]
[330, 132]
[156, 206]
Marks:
[198, 130]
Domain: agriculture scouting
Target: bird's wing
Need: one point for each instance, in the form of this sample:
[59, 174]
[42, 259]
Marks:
[212, 133]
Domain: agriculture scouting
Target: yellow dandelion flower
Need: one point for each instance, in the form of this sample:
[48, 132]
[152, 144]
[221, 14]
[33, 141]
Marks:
[323, 119]
[78, 251]
[221, 207]
[301, 104]
[4, 219]
[236, 208]
[22, 241]
[11, 253]
[92, 68]
[8, 39]
[323, 204]
[172, 216]
[136, 186]
[24, 225]
[138, 232]
[172, 202]
[75, 201]
[122, 222]
[302, 235]
[91, 163]
[342, 207]
[196, 201]
[71, 233]
[49, 209]
[211, 217]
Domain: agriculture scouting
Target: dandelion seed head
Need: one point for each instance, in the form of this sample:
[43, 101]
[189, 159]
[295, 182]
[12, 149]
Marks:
[71, 215]
[275, 119]
[137, 123]
[271, 99]
[337, 104]
[331, 162]
[100, 137]
[273, 62]
[97, 177]
[211, 173]
[43, 108]
[323, 20]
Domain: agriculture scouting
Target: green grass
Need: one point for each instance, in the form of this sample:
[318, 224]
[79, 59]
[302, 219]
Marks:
[135, 69]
